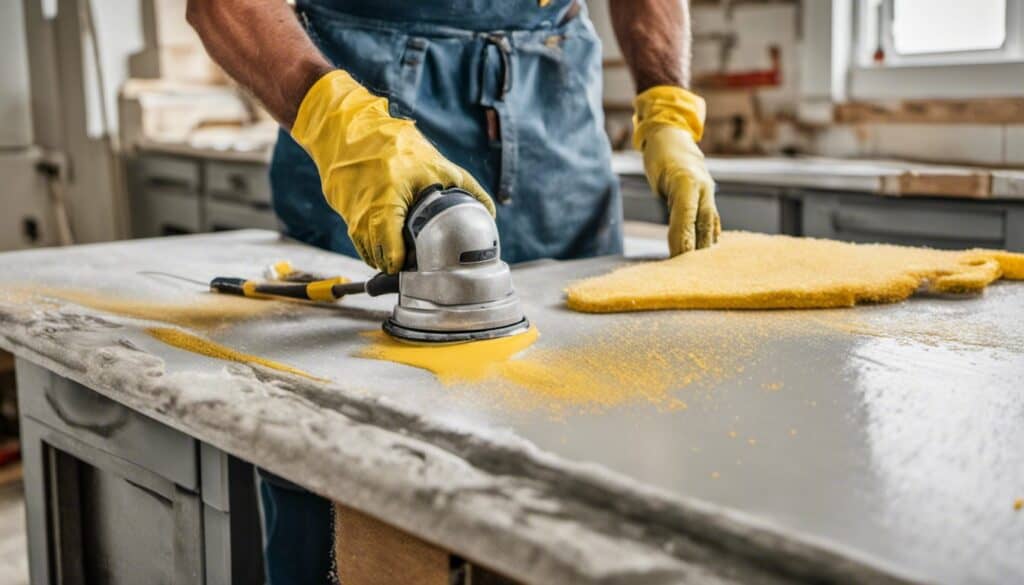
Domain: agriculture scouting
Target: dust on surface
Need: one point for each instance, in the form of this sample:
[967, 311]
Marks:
[202, 346]
[204, 311]
[451, 362]
[627, 363]
[757, 271]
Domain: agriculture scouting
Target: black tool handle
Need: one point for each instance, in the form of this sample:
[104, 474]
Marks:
[228, 286]
[242, 287]
[380, 284]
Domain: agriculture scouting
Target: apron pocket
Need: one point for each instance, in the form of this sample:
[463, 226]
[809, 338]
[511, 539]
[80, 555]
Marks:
[410, 71]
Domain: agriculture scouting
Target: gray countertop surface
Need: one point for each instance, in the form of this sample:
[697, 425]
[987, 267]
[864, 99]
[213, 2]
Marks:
[880, 177]
[876, 176]
[259, 156]
[876, 443]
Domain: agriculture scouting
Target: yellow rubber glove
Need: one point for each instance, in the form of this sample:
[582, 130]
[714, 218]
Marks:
[372, 166]
[668, 121]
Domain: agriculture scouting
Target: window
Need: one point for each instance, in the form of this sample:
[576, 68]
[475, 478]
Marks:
[920, 49]
[935, 32]
[942, 26]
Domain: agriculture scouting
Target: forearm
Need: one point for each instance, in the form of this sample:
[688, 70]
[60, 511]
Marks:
[654, 36]
[261, 45]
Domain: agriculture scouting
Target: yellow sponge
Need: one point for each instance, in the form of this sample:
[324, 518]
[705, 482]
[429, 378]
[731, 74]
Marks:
[756, 271]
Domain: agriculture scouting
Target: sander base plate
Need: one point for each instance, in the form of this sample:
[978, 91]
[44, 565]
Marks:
[420, 336]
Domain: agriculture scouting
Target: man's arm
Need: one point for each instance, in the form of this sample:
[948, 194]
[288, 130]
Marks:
[370, 177]
[654, 36]
[261, 46]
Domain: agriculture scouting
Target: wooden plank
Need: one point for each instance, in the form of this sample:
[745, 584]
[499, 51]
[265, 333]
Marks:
[968, 183]
[370, 552]
[1008, 110]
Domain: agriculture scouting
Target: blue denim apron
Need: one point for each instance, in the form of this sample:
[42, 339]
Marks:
[503, 88]
[509, 90]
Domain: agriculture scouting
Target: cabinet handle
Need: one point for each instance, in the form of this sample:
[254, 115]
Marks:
[238, 183]
[168, 183]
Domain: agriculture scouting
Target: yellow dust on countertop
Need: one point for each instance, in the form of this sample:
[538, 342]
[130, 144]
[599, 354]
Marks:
[621, 366]
[195, 310]
[453, 362]
[756, 271]
[202, 346]
[1017, 505]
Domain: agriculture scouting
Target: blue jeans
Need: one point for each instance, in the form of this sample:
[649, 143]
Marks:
[297, 532]
[508, 90]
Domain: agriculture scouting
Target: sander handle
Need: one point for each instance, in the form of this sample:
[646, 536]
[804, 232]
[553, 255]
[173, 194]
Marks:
[321, 290]
[380, 284]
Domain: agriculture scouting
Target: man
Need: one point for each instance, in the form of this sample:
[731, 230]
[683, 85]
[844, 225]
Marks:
[379, 99]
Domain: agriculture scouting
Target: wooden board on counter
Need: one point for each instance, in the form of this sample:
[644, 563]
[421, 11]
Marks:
[1004, 110]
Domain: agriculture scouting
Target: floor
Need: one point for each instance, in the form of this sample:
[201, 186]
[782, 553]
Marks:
[13, 552]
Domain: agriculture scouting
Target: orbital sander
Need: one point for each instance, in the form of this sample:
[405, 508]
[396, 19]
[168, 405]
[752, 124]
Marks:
[454, 286]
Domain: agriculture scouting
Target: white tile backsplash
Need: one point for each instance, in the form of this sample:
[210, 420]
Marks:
[1015, 145]
[954, 143]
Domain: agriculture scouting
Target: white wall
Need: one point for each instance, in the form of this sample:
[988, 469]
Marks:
[16, 129]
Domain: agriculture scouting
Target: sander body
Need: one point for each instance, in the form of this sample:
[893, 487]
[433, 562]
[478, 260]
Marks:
[454, 286]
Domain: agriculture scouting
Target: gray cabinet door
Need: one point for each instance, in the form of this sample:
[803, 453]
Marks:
[230, 215]
[165, 196]
[752, 208]
[936, 223]
[113, 496]
[95, 518]
[242, 182]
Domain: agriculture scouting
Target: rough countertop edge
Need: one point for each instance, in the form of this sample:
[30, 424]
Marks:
[510, 512]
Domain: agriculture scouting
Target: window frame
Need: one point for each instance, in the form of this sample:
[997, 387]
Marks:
[1009, 50]
[952, 75]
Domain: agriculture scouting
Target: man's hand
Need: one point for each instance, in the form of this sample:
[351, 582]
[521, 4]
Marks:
[372, 166]
[654, 36]
[667, 124]
[675, 170]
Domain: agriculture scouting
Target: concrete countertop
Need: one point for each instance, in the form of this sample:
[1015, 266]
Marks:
[256, 156]
[882, 177]
[877, 444]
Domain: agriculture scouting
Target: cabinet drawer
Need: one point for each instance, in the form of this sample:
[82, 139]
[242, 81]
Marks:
[158, 212]
[227, 215]
[107, 425]
[935, 223]
[166, 173]
[241, 182]
[752, 209]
